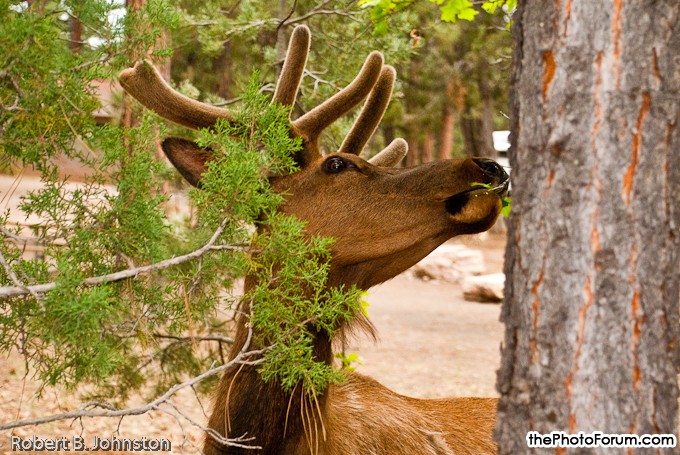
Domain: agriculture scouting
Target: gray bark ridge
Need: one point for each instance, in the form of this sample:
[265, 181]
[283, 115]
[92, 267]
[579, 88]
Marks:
[591, 299]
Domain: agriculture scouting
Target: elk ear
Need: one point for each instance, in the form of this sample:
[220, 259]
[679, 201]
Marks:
[189, 159]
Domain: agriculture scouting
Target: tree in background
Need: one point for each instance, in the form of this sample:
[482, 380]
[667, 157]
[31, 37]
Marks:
[454, 88]
[591, 296]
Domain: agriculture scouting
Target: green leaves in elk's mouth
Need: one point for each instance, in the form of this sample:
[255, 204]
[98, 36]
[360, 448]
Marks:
[506, 201]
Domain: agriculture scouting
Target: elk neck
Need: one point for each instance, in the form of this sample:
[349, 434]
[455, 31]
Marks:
[245, 402]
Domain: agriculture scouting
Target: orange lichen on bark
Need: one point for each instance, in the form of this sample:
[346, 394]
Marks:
[655, 66]
[596, 97]
[637, 139]
[589, 297]
[549, 74]
[535, 309]
[595, 235]
[638, 319]
[616, 39]
[567, 16]
[635, 304]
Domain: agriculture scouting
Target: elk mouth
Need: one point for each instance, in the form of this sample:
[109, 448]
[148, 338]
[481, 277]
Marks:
[499, 184]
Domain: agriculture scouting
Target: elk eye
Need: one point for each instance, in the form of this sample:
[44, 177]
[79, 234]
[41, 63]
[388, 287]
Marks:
[335, 164]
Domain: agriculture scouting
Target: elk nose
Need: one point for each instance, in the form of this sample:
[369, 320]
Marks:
[494, 170]
[491, 168]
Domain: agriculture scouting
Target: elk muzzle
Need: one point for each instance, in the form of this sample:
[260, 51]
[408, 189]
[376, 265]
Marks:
[473, 203]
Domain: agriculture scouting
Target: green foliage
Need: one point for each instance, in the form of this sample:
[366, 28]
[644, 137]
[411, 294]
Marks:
[348, 360]
[491, 6]
[506, 201]
[290, 303]
[108, 221]
[451, 10]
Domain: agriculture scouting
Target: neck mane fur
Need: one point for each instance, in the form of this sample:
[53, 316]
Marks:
[285, 423]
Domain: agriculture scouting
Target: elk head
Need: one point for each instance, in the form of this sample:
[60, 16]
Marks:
[383, 219]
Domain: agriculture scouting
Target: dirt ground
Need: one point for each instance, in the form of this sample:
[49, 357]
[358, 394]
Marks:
[431, 344]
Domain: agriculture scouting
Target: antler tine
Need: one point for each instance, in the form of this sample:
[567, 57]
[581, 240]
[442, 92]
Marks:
[146, 84]
[391, 155]
[315, 121]
[293, 66]
[371, 114]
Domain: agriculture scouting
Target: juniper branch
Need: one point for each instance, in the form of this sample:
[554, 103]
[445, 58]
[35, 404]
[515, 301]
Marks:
[108, 411]
[17, 291]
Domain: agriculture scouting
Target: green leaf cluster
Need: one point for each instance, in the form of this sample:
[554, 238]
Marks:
[291, 304]
[110, 217]
[450, 10]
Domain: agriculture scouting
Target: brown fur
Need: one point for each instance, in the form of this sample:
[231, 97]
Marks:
[383, 221]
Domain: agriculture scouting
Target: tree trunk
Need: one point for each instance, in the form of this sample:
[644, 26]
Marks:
[448, 122]
[75, 34]
[281, 38]
[477, 136]
[428, 148]
[487, 123]
[591, 297]
[446, 135]
[413, 156]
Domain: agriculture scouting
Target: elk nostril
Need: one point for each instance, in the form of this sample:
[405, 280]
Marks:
[491, 168]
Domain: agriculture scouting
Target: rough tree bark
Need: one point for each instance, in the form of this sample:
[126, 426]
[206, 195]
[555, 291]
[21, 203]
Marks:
[591, 306]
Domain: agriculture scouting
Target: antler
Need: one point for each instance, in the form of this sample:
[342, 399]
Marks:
[315, 121]
[146, 84]
[371, 114]
[293, 66]
[391, 155]
[369, 119]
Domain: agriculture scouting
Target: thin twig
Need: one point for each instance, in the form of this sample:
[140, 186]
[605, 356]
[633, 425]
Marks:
[85, 410]
[15, 291]
[220, 338]
[15, 279]
[233, 442]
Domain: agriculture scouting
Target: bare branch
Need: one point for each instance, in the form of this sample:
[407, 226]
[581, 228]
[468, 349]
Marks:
[15, 279]
[106, 410]
[233, 442]
[304, 17]
[15, 291]
[220, 338]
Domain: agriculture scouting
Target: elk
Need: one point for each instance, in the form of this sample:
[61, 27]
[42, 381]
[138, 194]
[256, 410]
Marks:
[384, 220]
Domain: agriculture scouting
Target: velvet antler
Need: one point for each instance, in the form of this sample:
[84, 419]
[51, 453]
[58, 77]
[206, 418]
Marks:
[369, 119]
[146, 85]
[293, 66]
[371, 114]
[391, 155]
[315, 121]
